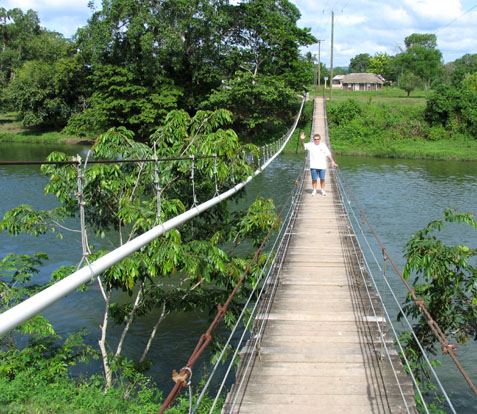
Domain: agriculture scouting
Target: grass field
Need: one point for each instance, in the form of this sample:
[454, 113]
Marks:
[388, 95]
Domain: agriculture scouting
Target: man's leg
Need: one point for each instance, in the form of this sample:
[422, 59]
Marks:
[314, 180]
[322, 181]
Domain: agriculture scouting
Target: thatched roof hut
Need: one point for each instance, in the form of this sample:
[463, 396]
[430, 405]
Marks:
[362, 82]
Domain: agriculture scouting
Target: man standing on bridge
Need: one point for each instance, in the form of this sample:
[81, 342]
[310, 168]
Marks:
[318, 153]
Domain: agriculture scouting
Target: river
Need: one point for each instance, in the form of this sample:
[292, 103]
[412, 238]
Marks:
[399, 197]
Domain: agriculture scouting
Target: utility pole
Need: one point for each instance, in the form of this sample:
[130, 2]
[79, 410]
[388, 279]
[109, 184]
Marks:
[319, 63]
[332, 33]
[314, 80]
[315, 76]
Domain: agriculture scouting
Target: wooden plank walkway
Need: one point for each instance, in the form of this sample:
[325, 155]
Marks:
[320, 351]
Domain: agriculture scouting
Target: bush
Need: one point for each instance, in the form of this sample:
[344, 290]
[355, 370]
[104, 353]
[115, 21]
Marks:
[344, 112]
[437, 133]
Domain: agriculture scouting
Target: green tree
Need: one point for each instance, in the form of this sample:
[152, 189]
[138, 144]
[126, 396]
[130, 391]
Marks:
[462, 67]
[120, 97]
[264, 69]
[444, 277]
[17, 31]
[47, 93]
[172, 55]
[422, 57]
[408, 81]
[359, 63]
[382, 64]
[256, 101]
[123, 199]
[454, 108]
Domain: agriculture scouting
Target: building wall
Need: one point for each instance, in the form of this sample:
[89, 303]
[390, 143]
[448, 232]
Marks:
[362, 86]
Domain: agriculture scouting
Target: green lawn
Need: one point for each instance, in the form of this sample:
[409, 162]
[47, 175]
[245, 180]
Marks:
[392, 96]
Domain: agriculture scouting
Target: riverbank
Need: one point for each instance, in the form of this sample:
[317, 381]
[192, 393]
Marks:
[11, 130]
[387, 124]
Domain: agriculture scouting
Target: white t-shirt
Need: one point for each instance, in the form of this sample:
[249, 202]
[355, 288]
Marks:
[318, 154]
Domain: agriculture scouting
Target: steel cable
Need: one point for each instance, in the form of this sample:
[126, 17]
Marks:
[440, 336]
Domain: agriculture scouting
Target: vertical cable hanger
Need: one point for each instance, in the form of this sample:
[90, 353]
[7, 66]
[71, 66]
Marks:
[157, 186]
[194, 198]
[215, 176]
[81, 174]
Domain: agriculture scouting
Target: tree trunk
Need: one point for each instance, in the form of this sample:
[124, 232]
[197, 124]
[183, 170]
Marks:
[102, 342]
[130, 320]
[153, 333]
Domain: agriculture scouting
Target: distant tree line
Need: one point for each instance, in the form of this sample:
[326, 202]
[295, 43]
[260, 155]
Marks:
[135, 61]
[451, 105]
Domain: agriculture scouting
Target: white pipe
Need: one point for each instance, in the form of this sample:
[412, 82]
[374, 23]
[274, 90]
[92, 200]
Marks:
[25, 310]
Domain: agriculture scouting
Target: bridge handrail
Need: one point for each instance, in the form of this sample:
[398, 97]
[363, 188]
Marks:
[440, 336]
[25, 310]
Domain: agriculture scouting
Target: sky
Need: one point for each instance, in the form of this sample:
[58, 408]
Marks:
[360, 26]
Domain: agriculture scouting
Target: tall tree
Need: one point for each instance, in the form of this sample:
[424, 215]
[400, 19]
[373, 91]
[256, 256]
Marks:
[422, 57]
[359, 63]
[408, 82]
[17, 30]
[50, 86]
[122, 199]
[264, 69]
[172, 49]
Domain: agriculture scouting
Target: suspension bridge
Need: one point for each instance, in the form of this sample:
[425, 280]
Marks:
[319, 338]
[319, 347]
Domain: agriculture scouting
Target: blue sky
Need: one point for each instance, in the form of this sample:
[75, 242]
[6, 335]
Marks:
[361, 26]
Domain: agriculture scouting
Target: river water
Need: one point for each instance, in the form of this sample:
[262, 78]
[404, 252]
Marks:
[399, 197]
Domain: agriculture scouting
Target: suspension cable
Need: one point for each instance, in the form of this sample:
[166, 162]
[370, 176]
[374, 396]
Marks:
[73, 162]
[358, 255]
[447, 348]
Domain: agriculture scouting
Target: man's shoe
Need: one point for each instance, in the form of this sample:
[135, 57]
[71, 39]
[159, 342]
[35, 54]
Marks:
[313, 192]
[323, 192]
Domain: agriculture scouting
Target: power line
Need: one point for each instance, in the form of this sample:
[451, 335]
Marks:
[457, 18]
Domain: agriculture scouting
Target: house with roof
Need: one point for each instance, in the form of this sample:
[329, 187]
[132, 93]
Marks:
[337, 81]
[362, 82]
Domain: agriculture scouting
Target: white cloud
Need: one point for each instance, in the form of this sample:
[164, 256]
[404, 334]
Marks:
[390, 17]
[350, 20]
[435, 10]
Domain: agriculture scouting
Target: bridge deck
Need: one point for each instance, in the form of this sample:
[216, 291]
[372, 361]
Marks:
[320, 352]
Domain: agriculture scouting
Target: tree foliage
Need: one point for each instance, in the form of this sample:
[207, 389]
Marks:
[384, 65]
[264, 68]
[123, 199]
[359, 63]
[17, 31]
[454, 108]
[421, 57]
[408, 81]
[444, 277]
[135, 61]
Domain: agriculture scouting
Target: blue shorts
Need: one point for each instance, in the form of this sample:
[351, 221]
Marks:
[315, 173]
